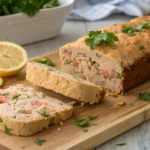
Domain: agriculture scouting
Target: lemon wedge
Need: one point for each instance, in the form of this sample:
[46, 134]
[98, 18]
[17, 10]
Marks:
[12, 58]
[1, 81]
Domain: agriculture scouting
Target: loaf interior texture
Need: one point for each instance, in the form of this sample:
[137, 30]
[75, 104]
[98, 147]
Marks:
[50, 78]
[119, 67]
[24, 111]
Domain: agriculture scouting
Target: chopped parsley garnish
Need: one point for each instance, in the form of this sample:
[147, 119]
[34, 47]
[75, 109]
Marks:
[30, 7]
[98, 55]
[44, 128]
[45, 61]
[91, 117]
[96, 68]
[144, 26]
[7, 130]
[68, 62]
[81, 122]
[140, 47]
[45, 114]
[93, 62]
[85, 130]
[28, 96]
[51, 69]
[129, 30]
[5, 94]
[144, 96]
[94, 124]
[120, 144]
[1, 120]
[118, 75]
[40, 142]
[132, 30]
[121, 63]
[16, 97]
[100, 37]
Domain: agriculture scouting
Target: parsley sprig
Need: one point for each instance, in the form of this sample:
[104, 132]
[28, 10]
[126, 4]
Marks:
[45, 61]
[140, 47]
[144, 96]
[7, 130]
[81, 122]
[40, 142]
[100, 37]
[132, 30]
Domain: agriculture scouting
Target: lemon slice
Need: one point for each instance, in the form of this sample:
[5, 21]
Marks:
[1, 81]
[12, 58]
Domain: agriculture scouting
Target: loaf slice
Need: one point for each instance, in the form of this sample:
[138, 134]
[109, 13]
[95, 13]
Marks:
[24, 111]
[119, 67]
[50, 78]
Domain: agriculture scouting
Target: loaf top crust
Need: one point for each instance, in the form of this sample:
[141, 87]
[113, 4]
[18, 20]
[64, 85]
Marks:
[125, 51]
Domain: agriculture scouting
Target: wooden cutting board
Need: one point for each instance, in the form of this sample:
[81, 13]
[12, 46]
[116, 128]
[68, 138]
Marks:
[111, 120]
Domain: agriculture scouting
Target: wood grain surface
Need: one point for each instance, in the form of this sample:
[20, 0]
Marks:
[111, 120]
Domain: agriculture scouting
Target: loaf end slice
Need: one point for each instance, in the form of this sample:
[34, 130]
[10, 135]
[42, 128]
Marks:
[50, 78]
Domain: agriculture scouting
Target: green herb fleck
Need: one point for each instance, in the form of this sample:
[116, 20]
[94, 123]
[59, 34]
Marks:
[16, 97]
[51, 69]
[91, 117]
[105, 77]
[85, 130]
[144, 96]
[100, 37]
[118, 75]
[144, 26]
[68, 62]
[96, 68]
[89, 67]
[121, 63]
[44, 128]
[93, 62]
[1, 120]
[45, 61]
[120, 144]
[98, 55]
[140, 47]
[129, 30]
[5, 94]
[81, 122]
[94, 124]
[7, 130]
[45, 114]
[40, 142]
[132, 30]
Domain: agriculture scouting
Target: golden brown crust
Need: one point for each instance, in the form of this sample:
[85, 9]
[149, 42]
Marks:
[126, 49]
[64, 84]
[32, 127]
[136, 75]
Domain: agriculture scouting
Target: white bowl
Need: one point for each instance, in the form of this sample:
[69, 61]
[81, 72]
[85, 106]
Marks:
[47, 23]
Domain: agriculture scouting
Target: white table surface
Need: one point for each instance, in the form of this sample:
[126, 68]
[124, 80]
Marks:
[137, 138]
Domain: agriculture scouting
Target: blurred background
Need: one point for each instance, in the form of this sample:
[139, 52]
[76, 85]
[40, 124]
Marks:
[89, 15]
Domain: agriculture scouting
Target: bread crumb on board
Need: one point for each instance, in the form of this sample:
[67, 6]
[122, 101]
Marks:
[58, 129]
[121, 103]
[113, 94]
[61, 123]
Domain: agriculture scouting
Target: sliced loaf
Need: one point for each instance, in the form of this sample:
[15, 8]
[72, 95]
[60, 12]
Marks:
[50, 78]
[24, 112]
